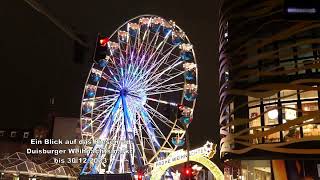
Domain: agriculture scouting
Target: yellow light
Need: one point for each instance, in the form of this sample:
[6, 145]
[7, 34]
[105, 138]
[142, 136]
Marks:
[91, 103]
[273, 114]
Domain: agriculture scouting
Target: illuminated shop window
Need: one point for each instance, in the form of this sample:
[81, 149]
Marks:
[271, 115]
[253, 101]
[308, 94]
[288, 95]
[272, 138]
[255, 169]
[254, 115]
[311, 129]
[270, 100]
[289, 112]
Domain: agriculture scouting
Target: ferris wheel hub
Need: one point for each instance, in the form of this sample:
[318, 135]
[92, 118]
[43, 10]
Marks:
[124, 92]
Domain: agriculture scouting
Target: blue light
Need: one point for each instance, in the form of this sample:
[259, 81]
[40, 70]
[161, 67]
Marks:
[155, 27]
[167, 31]
[90, 93]
[144, 27]
[189, 75]
[177, 41]
[185, 120]
[177, 142]
[95, 77]
[103, 63]
[133, 32]
[302, 10]
[190, 96]
[86, 109]
[186, 55]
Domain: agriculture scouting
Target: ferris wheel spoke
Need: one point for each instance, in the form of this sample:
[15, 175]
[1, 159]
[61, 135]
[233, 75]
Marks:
[105, 102]
[157, 73]
[157, 50]
[151, 44]
[155, 76]
[145, 37]
[161, 89]
[103, 121]
[157, 82]
[134, 45]
[140, 137]
[159, 116]
[111, 79]
[109, 89]
[102, 137]
[151, 128]
[116, 148]
[129, 129]
[151, 79]
[156, 63]
[159, 63]
[147, 120]
[163, 102]
[98, 99]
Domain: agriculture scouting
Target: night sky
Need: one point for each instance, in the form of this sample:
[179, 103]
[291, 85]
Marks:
[37, 57]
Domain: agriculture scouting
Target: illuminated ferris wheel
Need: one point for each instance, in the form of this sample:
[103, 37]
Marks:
[148, 69]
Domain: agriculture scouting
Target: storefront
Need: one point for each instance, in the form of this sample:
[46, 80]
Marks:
[272, 170]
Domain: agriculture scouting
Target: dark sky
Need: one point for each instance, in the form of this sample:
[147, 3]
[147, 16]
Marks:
[37, 57]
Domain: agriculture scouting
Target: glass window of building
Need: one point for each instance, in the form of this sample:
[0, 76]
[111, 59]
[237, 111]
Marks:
[305, 51]
[272, 138]
[310, 129]
[300, 66]
[288, 95]
[13, 134]
[255, 121]
[252, 101]
[1, 133]
[271, 115]
[308, 94]
[289, 66]
[285, 51]
[290, 112]
[255, 169]
[271, 100]
[25, 134]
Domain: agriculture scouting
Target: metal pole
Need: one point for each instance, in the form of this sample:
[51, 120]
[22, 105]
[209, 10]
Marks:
[41, 9]
[188, 148]
[187, 141]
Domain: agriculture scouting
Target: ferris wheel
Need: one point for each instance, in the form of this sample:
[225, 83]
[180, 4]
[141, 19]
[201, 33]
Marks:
[139, 96]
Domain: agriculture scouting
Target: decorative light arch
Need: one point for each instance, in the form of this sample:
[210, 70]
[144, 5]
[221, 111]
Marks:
[200, 155]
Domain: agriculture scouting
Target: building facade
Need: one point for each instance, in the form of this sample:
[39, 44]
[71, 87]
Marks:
[269, 72]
